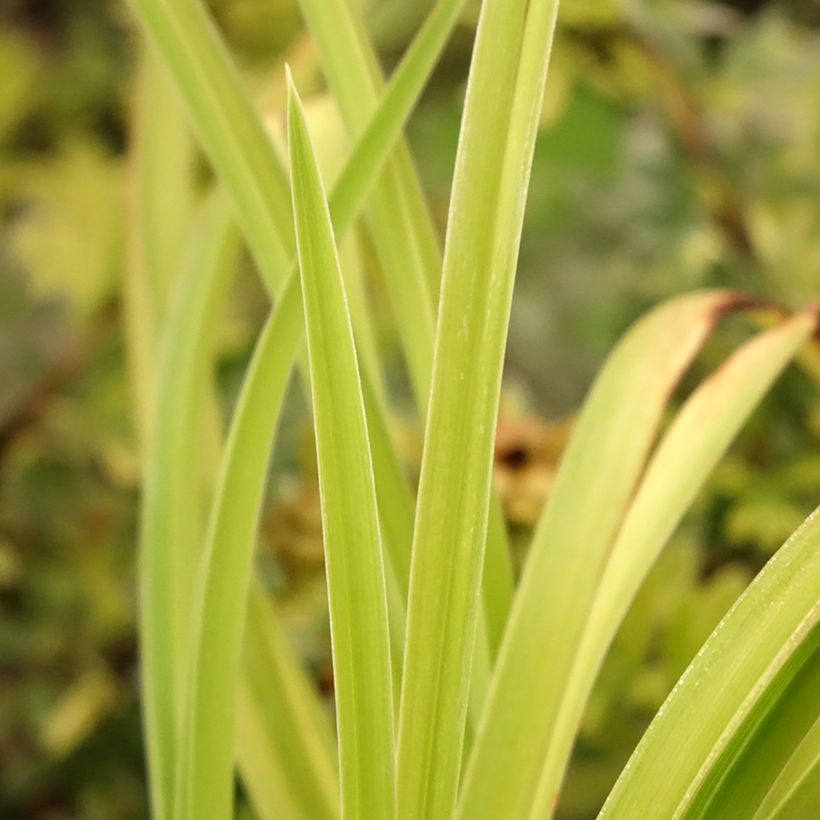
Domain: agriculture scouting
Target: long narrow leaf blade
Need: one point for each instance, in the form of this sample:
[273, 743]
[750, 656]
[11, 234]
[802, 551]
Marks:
[286, 749]
[691, 448]
[226, 126]
[734, 675]
[401, 231]
[398, 232]
[353, 555]
[596, 478]
[748, 764]
[159, 210]
[191, 71]
[492, 174]
[205, 769]
[275, 691]
[173, 492]
[798, 781]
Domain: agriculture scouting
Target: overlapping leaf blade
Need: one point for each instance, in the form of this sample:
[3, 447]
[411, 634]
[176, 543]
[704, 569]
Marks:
[797, 786]
[191, 68]
[350, 521]
[409, 254]
[688, 452]
[736, 674]
[492, 175]
[205, 766]
[596, 479]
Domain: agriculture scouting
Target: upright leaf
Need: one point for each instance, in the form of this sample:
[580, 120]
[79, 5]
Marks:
[489, 192]
[205, 766]
[209, 85]
[286, 748]
[409, 255]
[173, 489]
[350, 523]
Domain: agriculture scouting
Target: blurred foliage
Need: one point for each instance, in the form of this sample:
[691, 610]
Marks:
[678, 150]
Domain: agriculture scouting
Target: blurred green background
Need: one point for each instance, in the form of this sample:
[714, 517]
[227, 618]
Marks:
[679, 149]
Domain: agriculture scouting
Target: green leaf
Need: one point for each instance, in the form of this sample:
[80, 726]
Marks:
[226, 126]
[762, 644]
[739, 780]
[489, 192]
[171, 535]
[402, 232]
[159, 213]
[174, 489]
[803, 800]
[163, 196]
[401, 226]
[599, 472]
[350, 521]
[286, 749]
[190, 69]
[797, 786]
[689, 451]
[205, 767]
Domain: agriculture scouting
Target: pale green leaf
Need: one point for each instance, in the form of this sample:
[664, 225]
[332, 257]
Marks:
[486, 211]
[350, 520]
[689, 451]
[205, 766]
[286, 750]
[762, 644]
[174, 490]
[191, 69]
[226, 125]
[404, 239]
[799, 779]
[596, 479]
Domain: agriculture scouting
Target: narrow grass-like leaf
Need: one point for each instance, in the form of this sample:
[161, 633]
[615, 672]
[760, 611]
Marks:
[171, 535]
[350, 521]
[798, 781]
[691, 448]
[803, 799]
[398, 233]
[597, 476]
[173, 492]
[746, 768]
[486, 211]
[735, 675]
[367, 158]
[352, 187]
[227, 127]
[204, 771]
[401, 230]
[163, 151]
[286, 749]
[159, 211]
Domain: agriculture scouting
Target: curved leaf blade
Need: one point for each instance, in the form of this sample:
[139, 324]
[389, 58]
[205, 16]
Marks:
[700, 434]
[797, 781]
[734, 674]
[205, 768]
[599, 471]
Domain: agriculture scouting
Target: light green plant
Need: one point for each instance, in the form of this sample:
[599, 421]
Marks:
[450, 701]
